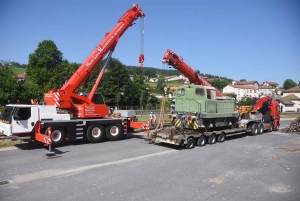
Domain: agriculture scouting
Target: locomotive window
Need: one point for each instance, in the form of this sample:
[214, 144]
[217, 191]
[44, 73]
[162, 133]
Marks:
[199, 92]
[180, 92]
[211, 94]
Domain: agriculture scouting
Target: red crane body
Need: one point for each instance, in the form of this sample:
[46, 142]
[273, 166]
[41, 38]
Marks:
[173, 59]
[81, 106]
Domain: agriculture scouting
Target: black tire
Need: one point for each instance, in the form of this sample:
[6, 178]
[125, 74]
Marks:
[95, 133]
[261, 128]
[114, 132]
[254, 129]
[201, 141]
[276, 128]
[58, 135]
[212, 139]
[271, 127]
[190, 143]
[221, 137]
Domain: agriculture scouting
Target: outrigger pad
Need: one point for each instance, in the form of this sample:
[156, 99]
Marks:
[50, 155]
[147, 141]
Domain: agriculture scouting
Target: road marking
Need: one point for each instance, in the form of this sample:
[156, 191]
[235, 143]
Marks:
[8, 148]
[59, 172]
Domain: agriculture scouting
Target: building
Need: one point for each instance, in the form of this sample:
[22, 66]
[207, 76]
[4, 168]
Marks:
[272, 84]
[289, 103]
[21, 77]
[249, 83]
[264, 90]
[250, 90]
[292, 94]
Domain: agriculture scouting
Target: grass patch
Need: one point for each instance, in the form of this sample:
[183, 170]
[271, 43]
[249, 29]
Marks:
[285, 116]
[169, 84]
[18, 70]
[146, 118]
[9, 143]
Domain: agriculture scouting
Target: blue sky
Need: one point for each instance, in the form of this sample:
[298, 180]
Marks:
[239, 39]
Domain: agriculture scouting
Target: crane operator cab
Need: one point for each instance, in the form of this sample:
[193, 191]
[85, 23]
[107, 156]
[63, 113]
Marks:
[98, 98]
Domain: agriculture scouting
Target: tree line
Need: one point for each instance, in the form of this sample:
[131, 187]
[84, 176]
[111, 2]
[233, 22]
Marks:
[47, 70]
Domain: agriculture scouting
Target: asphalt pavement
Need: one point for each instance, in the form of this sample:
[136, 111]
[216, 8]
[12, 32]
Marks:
[265, 167]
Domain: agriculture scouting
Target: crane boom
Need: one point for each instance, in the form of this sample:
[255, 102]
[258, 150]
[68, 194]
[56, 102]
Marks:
[173, 59]
[106, 45]
[81, 106]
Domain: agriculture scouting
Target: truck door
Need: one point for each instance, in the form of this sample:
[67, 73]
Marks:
[24, 119]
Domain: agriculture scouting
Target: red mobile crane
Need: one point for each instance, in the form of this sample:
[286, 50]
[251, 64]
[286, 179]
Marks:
[85, 107]
[90, 119]
[173, 59]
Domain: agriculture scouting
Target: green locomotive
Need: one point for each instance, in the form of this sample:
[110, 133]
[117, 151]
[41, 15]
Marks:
[198, 107]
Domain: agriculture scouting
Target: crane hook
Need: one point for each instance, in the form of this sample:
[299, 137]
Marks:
[141, 60]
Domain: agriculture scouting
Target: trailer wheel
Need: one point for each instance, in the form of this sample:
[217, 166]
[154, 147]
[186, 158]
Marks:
[95, 133]
[221, 137]
[114, 132]
[201, 141]
[57, 135]
[212, 139]
[261, 128]
[254, 129]
[190, 143]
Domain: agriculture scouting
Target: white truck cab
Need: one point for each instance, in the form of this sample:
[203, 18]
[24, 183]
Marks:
[21, 119]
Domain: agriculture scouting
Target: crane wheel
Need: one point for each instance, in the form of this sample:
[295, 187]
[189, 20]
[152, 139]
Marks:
[95, 133]
[212, 139]
[221, 137]
[201, 141]
[57, 135]
[190, 143]
[114, 132]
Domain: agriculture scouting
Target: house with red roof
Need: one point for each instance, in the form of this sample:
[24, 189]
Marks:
[292, 94]
[272, 84]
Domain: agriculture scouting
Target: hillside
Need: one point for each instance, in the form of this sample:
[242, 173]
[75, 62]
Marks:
[18, 70]
[136, 70]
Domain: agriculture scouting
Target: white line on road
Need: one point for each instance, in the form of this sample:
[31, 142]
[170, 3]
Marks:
[58, 172]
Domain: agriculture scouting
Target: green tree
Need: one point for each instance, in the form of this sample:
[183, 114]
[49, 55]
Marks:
[289, 83]
[219, 84]
[160, 82]
[150, 73]
[137, 92]
[232, 96]
[115, 80]
[45, 67]
[246, 100]
[10, 89]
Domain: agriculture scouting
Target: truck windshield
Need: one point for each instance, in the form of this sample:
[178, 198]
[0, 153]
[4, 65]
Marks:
[6, 113]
